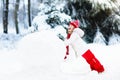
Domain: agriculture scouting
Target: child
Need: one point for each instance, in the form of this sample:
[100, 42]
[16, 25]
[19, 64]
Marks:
[79, 46]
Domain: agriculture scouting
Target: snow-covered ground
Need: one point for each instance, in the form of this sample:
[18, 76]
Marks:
[39, 56]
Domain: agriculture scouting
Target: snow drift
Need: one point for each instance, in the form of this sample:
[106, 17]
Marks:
[41, 47]
[39, 56]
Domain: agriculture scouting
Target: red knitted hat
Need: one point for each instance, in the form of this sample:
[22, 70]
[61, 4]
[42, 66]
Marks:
[75, 23]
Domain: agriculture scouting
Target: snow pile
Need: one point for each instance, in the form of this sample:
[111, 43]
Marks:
[39, 49]
[39, 56]
[35, 51]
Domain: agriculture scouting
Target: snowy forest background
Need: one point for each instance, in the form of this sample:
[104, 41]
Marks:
[32, 34]
[99, 19]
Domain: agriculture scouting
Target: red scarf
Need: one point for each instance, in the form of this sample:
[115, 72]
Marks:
[67, 47]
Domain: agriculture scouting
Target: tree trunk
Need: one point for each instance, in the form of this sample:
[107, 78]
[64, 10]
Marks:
[29, 12]
[5, 15]
[16, 16]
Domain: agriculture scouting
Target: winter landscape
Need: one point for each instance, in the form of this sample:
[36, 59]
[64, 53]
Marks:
[37, 52]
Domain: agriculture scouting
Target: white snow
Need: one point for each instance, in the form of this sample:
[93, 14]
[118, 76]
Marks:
[39, 22]
[39, 56]
[114, 39]
[99, 39]
[105, 4]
